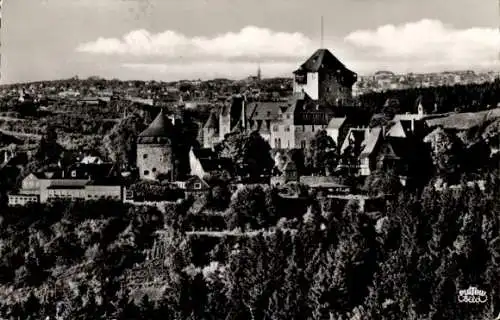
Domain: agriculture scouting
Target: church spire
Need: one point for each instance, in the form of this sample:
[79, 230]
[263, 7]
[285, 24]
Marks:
[259, 73]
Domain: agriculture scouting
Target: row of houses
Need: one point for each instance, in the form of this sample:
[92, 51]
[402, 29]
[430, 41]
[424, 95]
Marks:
[93, 182]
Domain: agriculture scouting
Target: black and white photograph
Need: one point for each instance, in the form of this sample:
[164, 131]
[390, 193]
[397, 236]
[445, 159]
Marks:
[250, 160]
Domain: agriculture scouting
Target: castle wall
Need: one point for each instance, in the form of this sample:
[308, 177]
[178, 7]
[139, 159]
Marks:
[304, 134]
[153, 160]
[331, 91]
[282, 135]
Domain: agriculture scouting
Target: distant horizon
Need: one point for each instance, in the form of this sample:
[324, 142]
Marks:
[476, 71]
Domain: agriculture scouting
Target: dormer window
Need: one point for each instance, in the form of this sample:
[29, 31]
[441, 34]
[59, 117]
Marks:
[300, 78]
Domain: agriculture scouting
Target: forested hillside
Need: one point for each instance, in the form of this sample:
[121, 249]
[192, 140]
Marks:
[406, 262]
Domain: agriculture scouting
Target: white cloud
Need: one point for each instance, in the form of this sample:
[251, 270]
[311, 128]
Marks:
[422, 46]
[249, 42]
[429, 44]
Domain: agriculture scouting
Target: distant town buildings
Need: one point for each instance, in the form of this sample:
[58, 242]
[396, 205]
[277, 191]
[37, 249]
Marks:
[386, 80]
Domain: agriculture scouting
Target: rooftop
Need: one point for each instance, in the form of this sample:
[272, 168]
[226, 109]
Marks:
[160, 127]
[320, 59]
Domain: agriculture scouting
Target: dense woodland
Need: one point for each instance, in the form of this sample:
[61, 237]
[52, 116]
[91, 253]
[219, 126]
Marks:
[406, 262]
[463, 98]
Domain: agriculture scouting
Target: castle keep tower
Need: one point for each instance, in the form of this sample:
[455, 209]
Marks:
[155, 149]
[325, 79]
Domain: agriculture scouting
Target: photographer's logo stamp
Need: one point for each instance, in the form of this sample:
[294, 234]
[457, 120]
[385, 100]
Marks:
[472, 295]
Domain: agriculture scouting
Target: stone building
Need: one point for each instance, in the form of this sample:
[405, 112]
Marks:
[321, 85]
[232, 114]
[325, 79]
[155, 149]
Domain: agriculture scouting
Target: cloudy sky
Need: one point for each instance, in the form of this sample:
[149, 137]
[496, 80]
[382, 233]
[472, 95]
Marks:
[191, 39]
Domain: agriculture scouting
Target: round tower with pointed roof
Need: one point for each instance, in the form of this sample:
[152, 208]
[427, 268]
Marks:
[154, 149]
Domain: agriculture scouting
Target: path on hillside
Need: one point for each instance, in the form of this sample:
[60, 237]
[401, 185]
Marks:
[11, 118]
[236, 233]
[21, 134]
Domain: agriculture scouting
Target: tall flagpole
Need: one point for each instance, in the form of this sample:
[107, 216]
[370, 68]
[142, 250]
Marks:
[322, 32]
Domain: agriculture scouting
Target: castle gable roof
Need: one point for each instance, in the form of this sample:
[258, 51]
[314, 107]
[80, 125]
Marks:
[324, 59]
[264, 110]
[371, 141]
[336, 123]
[212, 122]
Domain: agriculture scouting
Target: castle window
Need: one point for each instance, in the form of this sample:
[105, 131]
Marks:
[154, 170]
[145, 156]
[275, 128]
[288, 116]
[312, 129]
[301, 79]
[268, 113]
[197, 186]
[146, 172]
[287, 128]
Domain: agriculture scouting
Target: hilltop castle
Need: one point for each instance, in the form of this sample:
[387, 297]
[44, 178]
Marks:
[322, 85]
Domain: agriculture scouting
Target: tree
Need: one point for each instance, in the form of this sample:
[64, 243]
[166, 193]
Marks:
[49, 151]
[32, 306]
[120, 142]
[250, 153]
[382, 183]
[349, 157]
[250, 207]
[145, 308]
[446, 152]
[322, 154]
